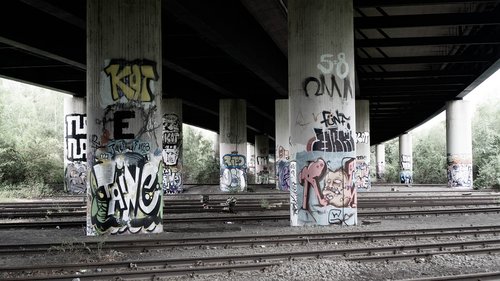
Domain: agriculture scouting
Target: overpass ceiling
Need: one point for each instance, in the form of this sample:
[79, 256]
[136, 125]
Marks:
[411, 56]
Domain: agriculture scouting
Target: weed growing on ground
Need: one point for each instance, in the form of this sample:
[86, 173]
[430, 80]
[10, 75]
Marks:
[29, 190]
[264, 203]
[85, 251]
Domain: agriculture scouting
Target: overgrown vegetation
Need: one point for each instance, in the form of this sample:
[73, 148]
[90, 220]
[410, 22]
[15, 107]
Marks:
[31, 140]
[429, 151]
[200, 164]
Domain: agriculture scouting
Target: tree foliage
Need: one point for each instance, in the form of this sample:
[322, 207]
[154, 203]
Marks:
[486, 145]
[429, 150]
[429, 155]
[200, 164]
[31, 139]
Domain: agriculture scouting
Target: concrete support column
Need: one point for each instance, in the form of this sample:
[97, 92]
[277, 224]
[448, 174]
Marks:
[251, 162]
[363, 180]
[75, 145]
[406, 158]
[233, 141]
[172, 146]
[217, 146]
[322, 112]
[262, 157]
[459, 144]
[124, 94]
[380, 155]
[282, 145]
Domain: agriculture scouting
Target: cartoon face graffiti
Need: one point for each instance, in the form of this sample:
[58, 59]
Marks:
[337, 191]
[170, 156]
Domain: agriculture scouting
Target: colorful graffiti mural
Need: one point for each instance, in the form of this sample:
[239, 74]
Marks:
[172, 149]
[126, 195]
[323, 174]
[233, 172]
[406, 173]
[125, 177]
[283, 168]
[459, 170]
[328, 195]
[130, 80]
[362, 181]
[75, 176]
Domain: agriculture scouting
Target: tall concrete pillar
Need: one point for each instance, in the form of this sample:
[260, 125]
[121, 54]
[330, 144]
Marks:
[363, 180]
[75, 145]
[172, 146]
[322, 112]
[380, 155]
[405, 158]
[233, 141]
[459, 144]
[282, 145]
[217, 146]
[251, 162]
[262, 159]
[124, 94]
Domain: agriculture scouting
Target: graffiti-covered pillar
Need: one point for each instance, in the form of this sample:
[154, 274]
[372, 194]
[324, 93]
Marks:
[262, 159]
[75, 145]
[380, 155]
[322, 112]
[282, 144]
[233, 145]
[172, 145]
[459, 144]
[124, 61]
[363, 181]
[250, 162]
[405, 158]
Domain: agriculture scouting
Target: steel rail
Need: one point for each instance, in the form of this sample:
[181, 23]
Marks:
[252, 240]
[486, 246]
[495, 275]
[154, 273]
[242, 218]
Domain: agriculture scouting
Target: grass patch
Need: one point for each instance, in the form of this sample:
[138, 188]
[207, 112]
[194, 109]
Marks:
[28, 190]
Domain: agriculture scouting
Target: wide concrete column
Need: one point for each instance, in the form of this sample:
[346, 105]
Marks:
[380, 155]
[233, 141]
[282, 144]
[75, 145]
[406, 158]
[262, 158]
[459, 144]
[124, 119]
[322, 112]
[363, 180]
[172, 146]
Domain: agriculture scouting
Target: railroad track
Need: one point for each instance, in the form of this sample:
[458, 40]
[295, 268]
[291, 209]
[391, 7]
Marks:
[181, 266]
[74, 209]
[483, 276]
[77, 222]
[257, 240]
